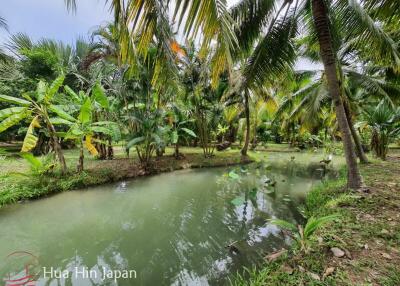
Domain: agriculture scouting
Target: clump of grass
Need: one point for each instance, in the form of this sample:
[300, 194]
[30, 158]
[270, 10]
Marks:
[342, 200]
[276, 273]
[322, 194]
[392, 278]
[35, 187]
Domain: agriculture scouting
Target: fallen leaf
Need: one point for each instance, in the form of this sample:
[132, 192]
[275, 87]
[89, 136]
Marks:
[314, 276]
[328, 271]
[337, 252]
[287, 269]
[387, 256]
[348, 254]
[273, 256]
[368, 217]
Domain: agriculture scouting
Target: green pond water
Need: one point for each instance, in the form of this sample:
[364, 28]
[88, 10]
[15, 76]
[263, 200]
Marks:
[169, 229]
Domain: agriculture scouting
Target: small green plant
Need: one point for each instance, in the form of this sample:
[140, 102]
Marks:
[38, 167]
[303, 234]
[3, 154]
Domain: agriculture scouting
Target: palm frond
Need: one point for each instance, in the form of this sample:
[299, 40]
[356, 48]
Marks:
[386, 9]
[268, 61]
[251, 17]
[71, 5]
[311, 104]
[3, 23]
[369, 34]
[372, 85]
[207, 16]
[211, 18]
[288, 103]
[149, 22]
[19, 42]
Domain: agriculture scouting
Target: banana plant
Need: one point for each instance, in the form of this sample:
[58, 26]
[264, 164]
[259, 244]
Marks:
[84, 127]
[36, 106]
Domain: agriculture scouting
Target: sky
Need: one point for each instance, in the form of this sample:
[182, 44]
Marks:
[50, 19]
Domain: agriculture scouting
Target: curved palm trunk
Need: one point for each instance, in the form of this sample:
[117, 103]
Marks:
[359, 149]
[321, 23]
[247, 114]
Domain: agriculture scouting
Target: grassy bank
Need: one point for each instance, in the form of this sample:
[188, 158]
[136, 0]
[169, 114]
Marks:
[368, 232]
[15, 188]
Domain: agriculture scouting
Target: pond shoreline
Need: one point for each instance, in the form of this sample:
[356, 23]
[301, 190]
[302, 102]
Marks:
[367, 233]
[109, 171]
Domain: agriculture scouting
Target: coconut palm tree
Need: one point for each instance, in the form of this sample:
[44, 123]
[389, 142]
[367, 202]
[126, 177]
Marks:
[318, 17]
[310, 100]
[276, 22]
[259, 63]
[356, 19]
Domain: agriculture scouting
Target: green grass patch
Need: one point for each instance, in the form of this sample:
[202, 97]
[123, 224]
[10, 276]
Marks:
[368, 227]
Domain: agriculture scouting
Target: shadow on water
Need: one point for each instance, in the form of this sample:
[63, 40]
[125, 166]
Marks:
[191, 227]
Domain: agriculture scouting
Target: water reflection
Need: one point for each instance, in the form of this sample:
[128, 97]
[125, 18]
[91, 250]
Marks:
[172, 229]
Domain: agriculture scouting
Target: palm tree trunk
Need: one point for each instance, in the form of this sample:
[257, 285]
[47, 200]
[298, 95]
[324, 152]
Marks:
[247, 114]
[321, 22]
[254, 143]
[359, 149]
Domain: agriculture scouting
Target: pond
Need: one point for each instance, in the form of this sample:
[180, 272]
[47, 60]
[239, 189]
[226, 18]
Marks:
[169, 229]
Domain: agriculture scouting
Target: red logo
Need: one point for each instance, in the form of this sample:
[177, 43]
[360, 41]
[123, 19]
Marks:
[23, 269]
